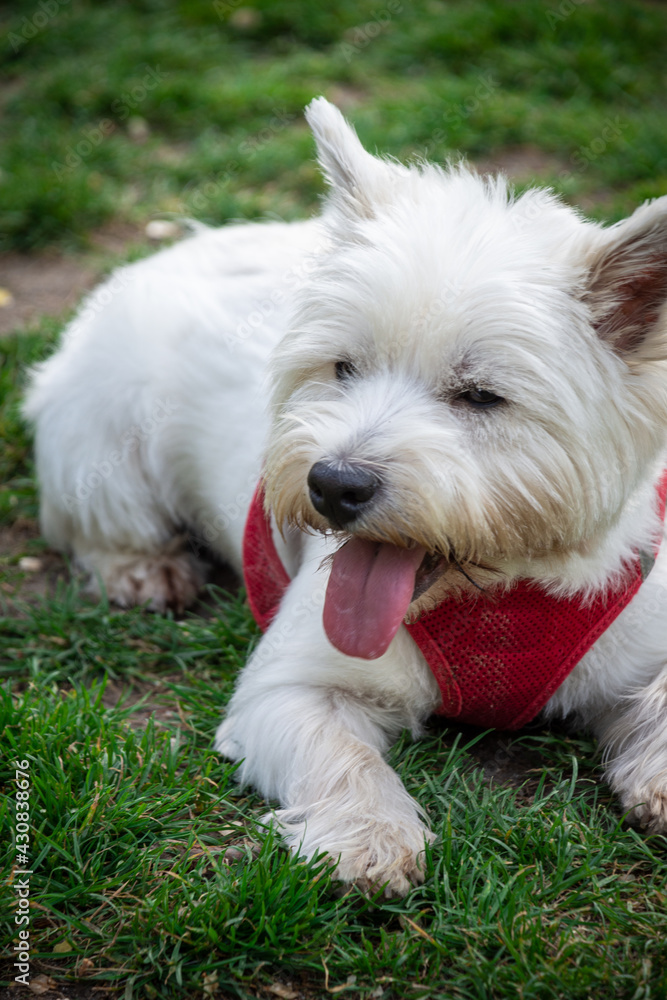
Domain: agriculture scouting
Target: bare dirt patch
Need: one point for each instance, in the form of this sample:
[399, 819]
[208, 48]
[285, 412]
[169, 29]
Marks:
[505, 762]
[50, 283]
[41, 284]
[154, 699]
[29, 572]
[44, 985]
[521, 164]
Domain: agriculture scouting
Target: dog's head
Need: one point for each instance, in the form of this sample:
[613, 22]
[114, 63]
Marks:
[473, 383]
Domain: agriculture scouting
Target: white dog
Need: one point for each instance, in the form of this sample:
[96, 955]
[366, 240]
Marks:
[464, 456]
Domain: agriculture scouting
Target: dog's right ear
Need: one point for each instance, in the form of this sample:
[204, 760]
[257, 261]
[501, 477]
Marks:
[627, 285]
[360, 182]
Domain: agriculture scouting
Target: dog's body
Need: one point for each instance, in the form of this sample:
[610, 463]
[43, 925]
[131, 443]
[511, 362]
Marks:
[468, 389]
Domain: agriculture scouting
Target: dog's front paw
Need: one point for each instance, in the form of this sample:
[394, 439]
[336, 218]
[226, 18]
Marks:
[226, 742]
[391, 860]
[646, 805]
[160, 581]
[372, 854]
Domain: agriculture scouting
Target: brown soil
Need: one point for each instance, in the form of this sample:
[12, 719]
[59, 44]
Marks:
[50, 283]
[22, 585]
[521, 164]
[44, 985]
[44, 284]
[29, 571]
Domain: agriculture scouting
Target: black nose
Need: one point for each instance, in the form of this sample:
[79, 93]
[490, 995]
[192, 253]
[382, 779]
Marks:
[341, 492]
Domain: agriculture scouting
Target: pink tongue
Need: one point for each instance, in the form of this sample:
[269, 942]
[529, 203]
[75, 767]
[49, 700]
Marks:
[368, 594]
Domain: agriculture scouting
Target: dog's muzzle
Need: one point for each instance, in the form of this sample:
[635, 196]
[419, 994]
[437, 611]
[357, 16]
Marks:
[341, 492]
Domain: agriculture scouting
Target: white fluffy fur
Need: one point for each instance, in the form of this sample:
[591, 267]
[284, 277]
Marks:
[151, 419]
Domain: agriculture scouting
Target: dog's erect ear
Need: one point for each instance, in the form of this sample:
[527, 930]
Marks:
[627, 285]
[360, 182]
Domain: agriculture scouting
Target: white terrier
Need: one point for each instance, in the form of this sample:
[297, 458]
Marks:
[464, 456]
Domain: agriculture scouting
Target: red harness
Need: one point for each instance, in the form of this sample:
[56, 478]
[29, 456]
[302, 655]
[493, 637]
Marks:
[498, 661]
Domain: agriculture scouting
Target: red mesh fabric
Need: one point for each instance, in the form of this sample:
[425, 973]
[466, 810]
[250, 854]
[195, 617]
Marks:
[497, 660]
[266, 579]
[497, 664]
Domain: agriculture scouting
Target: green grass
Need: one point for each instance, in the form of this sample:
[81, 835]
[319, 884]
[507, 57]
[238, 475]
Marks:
[17, 485]
[539, 894]
[139, 107]
[130, 824]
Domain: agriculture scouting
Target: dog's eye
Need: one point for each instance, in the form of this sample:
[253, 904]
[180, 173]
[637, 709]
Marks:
[345, 370]
[480, 398]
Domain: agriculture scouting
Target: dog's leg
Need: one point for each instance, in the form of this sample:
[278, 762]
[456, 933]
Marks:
[124, 542]
[321, 756]
[109, 496]
[169, 577]
[311, 727]
[634, 739]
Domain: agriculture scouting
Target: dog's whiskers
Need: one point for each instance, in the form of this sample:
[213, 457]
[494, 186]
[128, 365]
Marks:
[468, 577]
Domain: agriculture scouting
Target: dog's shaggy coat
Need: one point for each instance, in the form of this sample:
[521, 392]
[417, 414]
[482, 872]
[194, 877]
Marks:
[494, 369]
